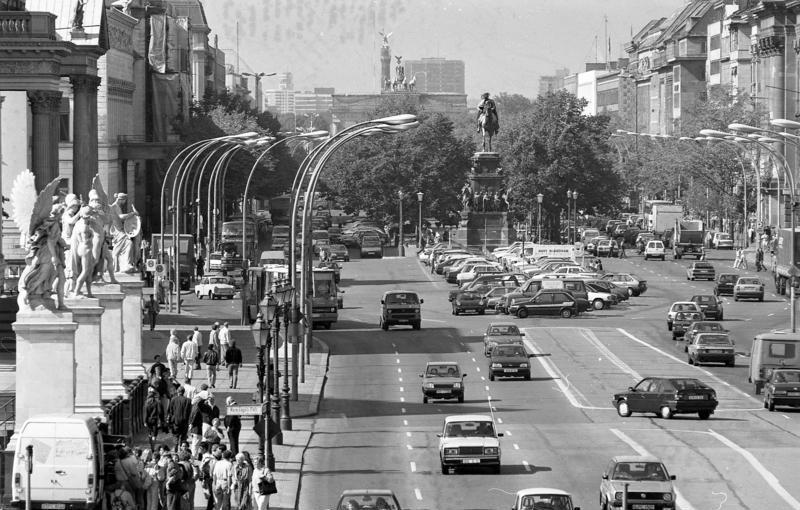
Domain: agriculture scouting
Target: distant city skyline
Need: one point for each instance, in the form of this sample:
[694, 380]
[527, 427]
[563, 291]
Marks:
[506, 44]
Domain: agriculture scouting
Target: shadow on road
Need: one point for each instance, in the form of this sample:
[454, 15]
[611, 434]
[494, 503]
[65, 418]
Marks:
[352, 408]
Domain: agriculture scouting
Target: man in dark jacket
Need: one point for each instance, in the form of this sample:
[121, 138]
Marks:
[153, 415]
[178, 415]
[233, 424]
[233, 358]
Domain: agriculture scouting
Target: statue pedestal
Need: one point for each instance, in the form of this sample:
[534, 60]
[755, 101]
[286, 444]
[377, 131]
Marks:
[87, 313]
[111, 297]
[131, 286]
[45, 381]
[487, 230]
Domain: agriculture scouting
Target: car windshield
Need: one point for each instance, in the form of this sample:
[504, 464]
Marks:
[713, 340]
[705, 300]
[653, 471]
[443, 371]
[469, 295]
[787, 376]
[469, 429]
[687, 384]
[707, 326]
[703, 265]
[367, 502]
[748, 281]
[684, 307]
[218, 280]
[503, 330]
[546, 502]
[404, 298]
[728, 278]
[723, 236]
[509, 351]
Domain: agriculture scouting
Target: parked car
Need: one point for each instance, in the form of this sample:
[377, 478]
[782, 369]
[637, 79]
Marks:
[648, 483]
[468, 301]
[748, 287]
[701, 270]
[725, 284]
[545, 498]
[711, 348]
[655, 250]
[494, 296]
[607, 248]
[711, 306]
[782, 388]
[698, 327]
[667, 396]
[606, 286]
[500, 333]
[339, 252]
[546, 302]
[600, 299]
[635, 285]
[591, 245]
[368, 499]
[442, 380]
[722, 241]
[509, 361]
[469, 440]
[214, 287]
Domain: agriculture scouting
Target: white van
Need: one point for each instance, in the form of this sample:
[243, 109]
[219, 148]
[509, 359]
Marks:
[772, 350]
[67, 463]
[272, 257]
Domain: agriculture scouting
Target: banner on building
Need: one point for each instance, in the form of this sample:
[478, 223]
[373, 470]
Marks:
[157, 53]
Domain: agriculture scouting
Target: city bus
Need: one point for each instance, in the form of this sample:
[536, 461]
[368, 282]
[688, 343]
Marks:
[231, 240]
[324, 309]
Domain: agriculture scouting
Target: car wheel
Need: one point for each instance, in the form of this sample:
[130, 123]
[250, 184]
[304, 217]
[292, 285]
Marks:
[770, 405]
[598, 304]
[496, 469]
[522, 313]
[417, 325]
[623, 409]
[455, 311]
[210, 295]
[461, 399]
[761, 298]
[481, 311]
[566, 313]
[704, 415]
[731, 363]
[689, 360]
[445, 470]
[424, 400]
[527, 377]
[720, 317]
[666, 412]
[757, 389]
[645, 257]
[198, 295]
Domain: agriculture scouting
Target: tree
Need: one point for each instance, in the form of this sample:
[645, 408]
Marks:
[512, 104]
[553, 147]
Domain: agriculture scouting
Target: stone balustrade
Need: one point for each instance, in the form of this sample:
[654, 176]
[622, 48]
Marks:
[27, 25]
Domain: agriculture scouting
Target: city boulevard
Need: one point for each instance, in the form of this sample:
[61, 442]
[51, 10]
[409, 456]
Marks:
[560, 429]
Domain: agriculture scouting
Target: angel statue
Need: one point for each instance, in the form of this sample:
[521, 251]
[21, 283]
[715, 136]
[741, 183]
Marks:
[125, 231]
[39, 221]
[100, 224]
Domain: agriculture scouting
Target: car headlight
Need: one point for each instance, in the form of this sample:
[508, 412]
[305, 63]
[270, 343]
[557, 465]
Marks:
[523, 365]
[429, 385]
[457, 385]
[491, 450]
[713, 395]
[497, 365]
[618, 496]
[667, 496]
[451, 451]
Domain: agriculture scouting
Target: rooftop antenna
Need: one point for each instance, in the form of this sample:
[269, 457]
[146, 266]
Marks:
[237, 46]
[608, 41]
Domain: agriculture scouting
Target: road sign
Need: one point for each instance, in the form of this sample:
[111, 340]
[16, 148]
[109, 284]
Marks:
[159, 270]
[150, 265]
[248, 410]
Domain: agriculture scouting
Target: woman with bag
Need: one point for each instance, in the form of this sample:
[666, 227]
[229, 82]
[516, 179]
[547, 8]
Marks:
[263, 485]
[242, 478]
[149, 482]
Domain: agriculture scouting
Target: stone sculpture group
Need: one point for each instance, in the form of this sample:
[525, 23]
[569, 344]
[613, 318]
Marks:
[490, 200]
[67, 241]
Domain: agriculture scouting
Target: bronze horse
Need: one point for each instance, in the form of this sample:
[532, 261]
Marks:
[489, 126]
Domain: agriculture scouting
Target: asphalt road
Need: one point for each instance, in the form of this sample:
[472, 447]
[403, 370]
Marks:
[560, 428]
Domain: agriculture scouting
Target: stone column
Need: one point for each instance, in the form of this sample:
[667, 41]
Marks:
[88, 355]
[84, 124]
[111, 298]
[45, 107]
[45, 382]
[131, 325]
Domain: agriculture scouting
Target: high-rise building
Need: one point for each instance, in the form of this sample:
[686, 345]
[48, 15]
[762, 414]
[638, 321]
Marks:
[436, 75]
[553, 82]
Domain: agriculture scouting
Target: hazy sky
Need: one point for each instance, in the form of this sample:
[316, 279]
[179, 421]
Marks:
[506, 44]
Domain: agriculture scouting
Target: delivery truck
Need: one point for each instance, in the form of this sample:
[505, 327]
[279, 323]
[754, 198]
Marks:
[688, 238]
[782, 270]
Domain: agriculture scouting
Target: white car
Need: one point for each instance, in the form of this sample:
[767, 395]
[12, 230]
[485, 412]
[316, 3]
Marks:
[214, 287]
[722, 241]
[469, 440]
[681, 307]
[543, 498]
[654, 249]
[469, 274]
[600, 300]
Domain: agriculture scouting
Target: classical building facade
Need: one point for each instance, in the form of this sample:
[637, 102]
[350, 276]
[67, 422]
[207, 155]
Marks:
[437, 75]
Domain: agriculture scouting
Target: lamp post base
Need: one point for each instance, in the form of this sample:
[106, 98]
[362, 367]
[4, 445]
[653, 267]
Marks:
[286, 419]
[276, 417]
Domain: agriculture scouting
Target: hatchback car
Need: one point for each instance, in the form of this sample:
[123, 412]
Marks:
[544, 498]
[494, 296]
[725, 284]
[710, 305]
[722, 241]
[698, 327]
[546, 302]
[711, 348]
[700, 270]
[648, 483]
[442, 380]
[635, 285]
[782, 388]
[607, 248]
[468, 301]
[680, 307]
[339, 252]
[748, 287]
[509, 360]
[500, 333]
[666, 397]
[654, 250]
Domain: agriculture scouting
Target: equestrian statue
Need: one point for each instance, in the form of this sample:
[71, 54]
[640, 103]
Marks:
[488, 120]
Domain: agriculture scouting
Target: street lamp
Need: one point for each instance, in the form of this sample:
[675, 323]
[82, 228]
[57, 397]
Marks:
[569, 216]
[260, 331]
[539, 199]
[575, 214]
[400, 249]
[258, 77]
[419, 228]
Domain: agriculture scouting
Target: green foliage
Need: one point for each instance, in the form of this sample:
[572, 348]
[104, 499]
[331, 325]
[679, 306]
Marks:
[512, 104]
[551, 148]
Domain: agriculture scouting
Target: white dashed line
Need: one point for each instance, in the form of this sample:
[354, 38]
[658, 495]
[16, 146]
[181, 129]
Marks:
[770, 314]
[398, 361]
[508, 433]
[401, 389]
[487, 388]
[478, 369]
[516, 446]
[526, 466]
[409, 447]
[405, 422]
[499, 420]
[483, 378]
[399, 370]
[786, 417]
[413, 467]
[403, 410]
[473, 360]
[400, 379]
[402, 399]
[408, 434]
[396, 353]
[418, 494]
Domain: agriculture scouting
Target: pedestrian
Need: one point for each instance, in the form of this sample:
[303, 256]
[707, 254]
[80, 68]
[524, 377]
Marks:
[737, 261]
[759, 259]
[222, 477]
[262, 485]
[152, 308]
[189, 485]
[127, 471]
[213, 336]
[233, 424]
[197, 338]
[214, 434]
[121, 498]
[224, 341]
[622, 254]
[173, 353]
[161, 478]
[153, 491]
[189, 357]
[174, 485]
[233, 358]
[178, 413]
[153, 415]
[240, 488]
[207, 461]
[200, 409]
[200, 265]
[211, 359]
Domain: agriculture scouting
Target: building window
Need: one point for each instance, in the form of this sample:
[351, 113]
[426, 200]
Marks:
[713, 42]
[63, 121]
[714, 67]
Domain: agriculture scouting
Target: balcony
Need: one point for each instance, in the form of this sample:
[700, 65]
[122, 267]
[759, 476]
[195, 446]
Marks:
[27, 25]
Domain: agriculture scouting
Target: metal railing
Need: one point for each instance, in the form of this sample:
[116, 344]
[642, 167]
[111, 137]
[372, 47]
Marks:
[125, 417]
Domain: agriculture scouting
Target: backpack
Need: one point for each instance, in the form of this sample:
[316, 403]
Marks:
[188, 476]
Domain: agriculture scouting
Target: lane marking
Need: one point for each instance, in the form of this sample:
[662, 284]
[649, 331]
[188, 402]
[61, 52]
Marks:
[400, 379]
[401, 389]
[403, 410]
[408, 434]
[413, 467]
[418, 494]
[516, 446]
[402, 399]
[526, 466]
[767, 475]
[610, 356]
[405, 422]
[409, 447]
[499, 420]
[473, 360]
[399, 370]
[508, 433]
[478, 369]
[483, 378]
[679, 499]
[398, 361]
[487, 388]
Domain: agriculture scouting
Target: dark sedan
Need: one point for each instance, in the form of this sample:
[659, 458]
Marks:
[725, 284]
[782, 388]
[666, 397]
[339, 252]
[546, 302]
[469, 301]
[710, 305]
[509, 361]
